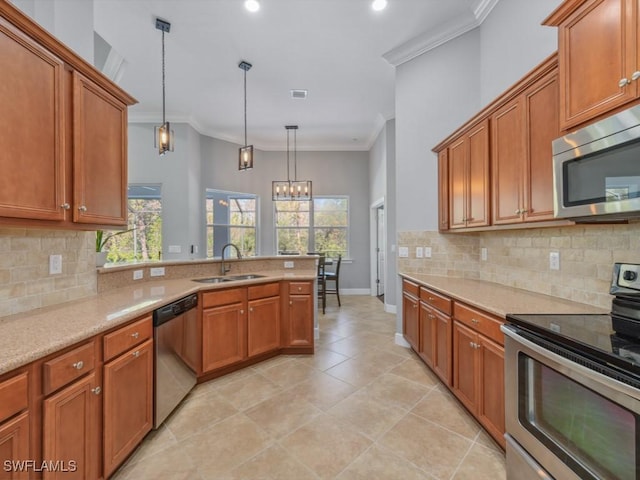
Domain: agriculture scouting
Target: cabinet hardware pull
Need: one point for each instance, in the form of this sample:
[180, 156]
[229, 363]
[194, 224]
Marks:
[624, 82]
[431, 316]
[82, 208]
[136, 353]
[65, 206]
[635, 75]
[473, 320]
[241, 312]
[431, 299]
[78, 365]
[135, 335]
[290, 302]
[96, 390]
[299, 289]
[472, 345]
[251, 309]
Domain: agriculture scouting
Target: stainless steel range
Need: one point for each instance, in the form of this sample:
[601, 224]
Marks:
[572, 386]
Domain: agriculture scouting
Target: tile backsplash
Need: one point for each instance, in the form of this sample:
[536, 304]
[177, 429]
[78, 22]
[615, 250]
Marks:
[25, 283]
[520, 258]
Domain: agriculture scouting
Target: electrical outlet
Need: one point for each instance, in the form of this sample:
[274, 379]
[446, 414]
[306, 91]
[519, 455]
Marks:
[288, 264]
[427, 252]
[483, 254]
[554, 260]
[156, 271]
[175, 249]
[138, 274]
[55, 264]
[419, 252]
[403, 252]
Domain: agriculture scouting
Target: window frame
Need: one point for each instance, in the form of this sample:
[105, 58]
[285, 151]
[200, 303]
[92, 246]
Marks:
[231, 195]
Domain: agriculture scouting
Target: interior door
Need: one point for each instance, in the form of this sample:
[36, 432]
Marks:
[380, 249]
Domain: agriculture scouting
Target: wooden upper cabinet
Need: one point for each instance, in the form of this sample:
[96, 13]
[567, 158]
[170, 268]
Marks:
[32, 184]
[99, 155]
[521, 159]
[468, 157]
[507, 162]
[443, 190]
[598, 57]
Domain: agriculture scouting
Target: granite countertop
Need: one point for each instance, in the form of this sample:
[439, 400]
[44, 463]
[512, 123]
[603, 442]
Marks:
[28, 336]
[499, 299]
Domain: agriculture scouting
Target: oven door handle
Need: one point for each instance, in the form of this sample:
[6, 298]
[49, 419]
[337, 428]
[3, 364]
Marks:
[576, 371]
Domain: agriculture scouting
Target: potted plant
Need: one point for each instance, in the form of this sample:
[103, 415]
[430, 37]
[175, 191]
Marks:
[102, 238]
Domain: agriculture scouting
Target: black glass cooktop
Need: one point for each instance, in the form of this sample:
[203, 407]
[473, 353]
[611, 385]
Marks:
[591, 335]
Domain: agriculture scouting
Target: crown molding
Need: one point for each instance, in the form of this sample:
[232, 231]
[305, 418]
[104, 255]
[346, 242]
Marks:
[437, 37]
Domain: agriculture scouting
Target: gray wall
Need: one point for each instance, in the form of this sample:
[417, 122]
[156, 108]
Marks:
[200, 162]
[441, 89]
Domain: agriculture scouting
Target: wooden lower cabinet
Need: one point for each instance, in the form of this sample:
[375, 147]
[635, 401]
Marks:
[128, 403]
[435, 341]
[263, 326]
[14, 447]
[410, 314]
[299, 315]
[478, 378]
[223, 336]
[71, 431]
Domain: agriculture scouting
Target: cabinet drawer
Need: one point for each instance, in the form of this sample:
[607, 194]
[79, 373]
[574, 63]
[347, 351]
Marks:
[264, 291]
[223, 297]
[436, 300]
[67, 367]
[126, 337]
[13, 396]
[411, 288]
[480, 322]
[300, 288]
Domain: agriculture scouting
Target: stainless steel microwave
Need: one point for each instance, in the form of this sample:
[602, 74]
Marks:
[596, 170]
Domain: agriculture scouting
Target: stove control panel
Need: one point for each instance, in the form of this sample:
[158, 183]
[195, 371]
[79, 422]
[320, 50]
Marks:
[626, 278]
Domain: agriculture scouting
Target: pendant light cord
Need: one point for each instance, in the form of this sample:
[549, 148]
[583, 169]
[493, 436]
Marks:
[295, 155]
[288, 177]
[163, 82]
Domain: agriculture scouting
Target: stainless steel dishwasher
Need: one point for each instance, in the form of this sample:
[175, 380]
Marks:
[176, 351]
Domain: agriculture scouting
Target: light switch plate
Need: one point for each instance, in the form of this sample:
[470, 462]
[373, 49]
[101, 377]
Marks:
[554, 260]
[403, 252]
[427, 252]
[138, 274]
[483, 254]
[175, 249]
[156, 271]
[419, 252]
[288, 264]
[55, 264]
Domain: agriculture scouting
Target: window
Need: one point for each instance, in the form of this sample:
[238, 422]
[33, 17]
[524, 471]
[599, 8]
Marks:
[321, 225]
[231, 218]
[144, 240]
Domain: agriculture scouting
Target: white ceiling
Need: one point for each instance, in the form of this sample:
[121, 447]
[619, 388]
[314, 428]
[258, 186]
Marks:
[333, 48]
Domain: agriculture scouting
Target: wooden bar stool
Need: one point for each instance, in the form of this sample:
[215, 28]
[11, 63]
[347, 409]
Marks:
[333, 277]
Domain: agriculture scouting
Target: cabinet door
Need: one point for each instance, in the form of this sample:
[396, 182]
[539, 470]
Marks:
[507, 162]
[427, 334]
[491, 404]
[457, 183]
[597, 49]
[477, 181]
[223, 336]
[71, 430]
[99, 155]
[465, 366]
[14, 446]
[32, 183]
[442, 358]
[443, 190]
[128, 403]
[263, 326]
[410, 324]
[542, 127]
[300, 321]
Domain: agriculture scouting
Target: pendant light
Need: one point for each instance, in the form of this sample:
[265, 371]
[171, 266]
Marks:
[245, 154]
[287, 190]
[164, 136]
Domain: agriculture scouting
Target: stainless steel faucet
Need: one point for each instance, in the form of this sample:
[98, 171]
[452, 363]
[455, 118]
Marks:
[224, 270]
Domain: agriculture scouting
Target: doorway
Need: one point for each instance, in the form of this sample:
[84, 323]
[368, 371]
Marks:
[380, 252]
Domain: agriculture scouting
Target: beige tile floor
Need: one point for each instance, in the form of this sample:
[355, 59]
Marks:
[360, 408]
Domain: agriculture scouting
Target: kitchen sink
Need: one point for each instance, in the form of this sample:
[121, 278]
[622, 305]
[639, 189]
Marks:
[231, 278]
[213, 279]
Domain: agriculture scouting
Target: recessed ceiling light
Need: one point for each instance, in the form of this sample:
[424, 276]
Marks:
[379, 5]
[253, 5]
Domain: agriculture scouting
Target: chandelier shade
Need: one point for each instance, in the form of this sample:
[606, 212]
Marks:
[292, 190]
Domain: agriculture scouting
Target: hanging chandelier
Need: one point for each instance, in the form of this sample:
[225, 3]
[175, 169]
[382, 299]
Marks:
[164, 136]
[287, 190]
[245, 154]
